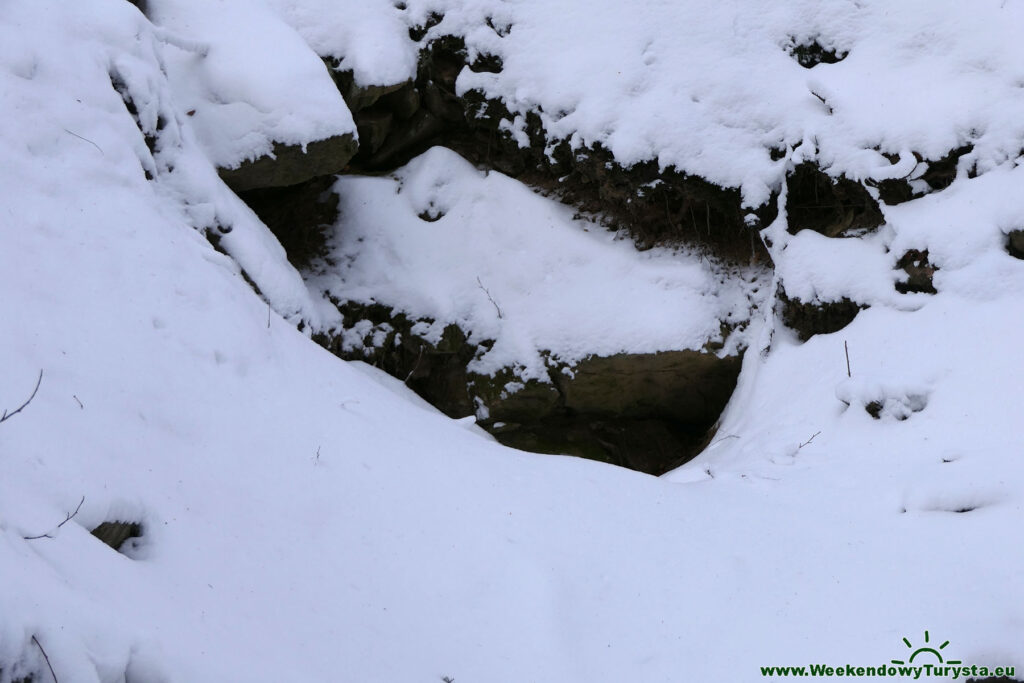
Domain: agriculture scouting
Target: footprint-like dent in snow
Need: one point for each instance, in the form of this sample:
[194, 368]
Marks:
[884, 399]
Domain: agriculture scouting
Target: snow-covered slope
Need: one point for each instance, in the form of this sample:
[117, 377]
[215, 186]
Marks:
[304, 521]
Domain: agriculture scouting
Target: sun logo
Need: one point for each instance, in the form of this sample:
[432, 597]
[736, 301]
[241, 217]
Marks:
[926, 649]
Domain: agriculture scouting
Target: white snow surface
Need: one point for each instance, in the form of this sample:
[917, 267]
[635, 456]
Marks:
[305, 522]
[442, 240]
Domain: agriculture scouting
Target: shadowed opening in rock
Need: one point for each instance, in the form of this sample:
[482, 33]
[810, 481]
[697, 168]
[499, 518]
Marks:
[649, 412]
[117, 533]
[835, 207]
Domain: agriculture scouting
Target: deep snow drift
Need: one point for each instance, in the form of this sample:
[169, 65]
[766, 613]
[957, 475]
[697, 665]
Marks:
[306, 519]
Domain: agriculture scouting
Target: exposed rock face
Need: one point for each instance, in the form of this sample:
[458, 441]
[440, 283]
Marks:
[117, 533]
[809, 318]
[835, 207]
[1015, 243]
[812, 53]
[291, 164]
[648, 412]
[919, 273]
[399, 121]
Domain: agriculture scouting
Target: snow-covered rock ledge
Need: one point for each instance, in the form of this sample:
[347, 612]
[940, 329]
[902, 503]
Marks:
[557, 334]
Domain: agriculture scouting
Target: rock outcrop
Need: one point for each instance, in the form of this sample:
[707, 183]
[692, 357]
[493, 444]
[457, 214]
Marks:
[808, 318]
[290, 165]
[649, 412]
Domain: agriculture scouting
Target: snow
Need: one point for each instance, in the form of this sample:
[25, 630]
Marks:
[306, 520]
[443, 241]
[708, 86]
[368, 37]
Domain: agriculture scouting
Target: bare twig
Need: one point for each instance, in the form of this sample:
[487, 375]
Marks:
[7, 416]
[78, 402]
[808, 440]
[847, 349]
[415, 366]
[85, 139]
[827, 106]
[727, 436]
[268, 316]
[46, 657]
[496, 307]
[67, 518]
[317, 455]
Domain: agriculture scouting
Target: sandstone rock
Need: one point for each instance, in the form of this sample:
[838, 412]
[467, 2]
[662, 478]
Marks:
[1015, 243]
[373, 127]
[686, 386]
[809, 318]
[356, 96]
[291, 165]
[649, 412]
[919, 271]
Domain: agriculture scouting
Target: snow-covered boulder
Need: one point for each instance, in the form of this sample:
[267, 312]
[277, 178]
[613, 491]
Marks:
[262, 102]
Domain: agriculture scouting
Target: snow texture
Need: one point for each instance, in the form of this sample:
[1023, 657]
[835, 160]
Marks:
[305, 521]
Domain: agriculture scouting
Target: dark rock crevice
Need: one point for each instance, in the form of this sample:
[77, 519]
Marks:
[291, 164]
[298, 215]
[835, 207]
[811, 53]
[1015, 243]
[919, 273]
[938, 175]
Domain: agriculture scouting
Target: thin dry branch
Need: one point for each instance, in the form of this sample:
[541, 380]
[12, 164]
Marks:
[71, 132]
[46, 657]
[805, 443]
[490, 298]
[7, 416]
[67, 518]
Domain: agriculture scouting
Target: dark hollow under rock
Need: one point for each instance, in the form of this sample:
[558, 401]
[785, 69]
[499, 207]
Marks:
[298, 215]
[835, 207]
[809, 318]
[117, 533]
[653, 446]
[919, 273]
[1015, 243]
[649, 412]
